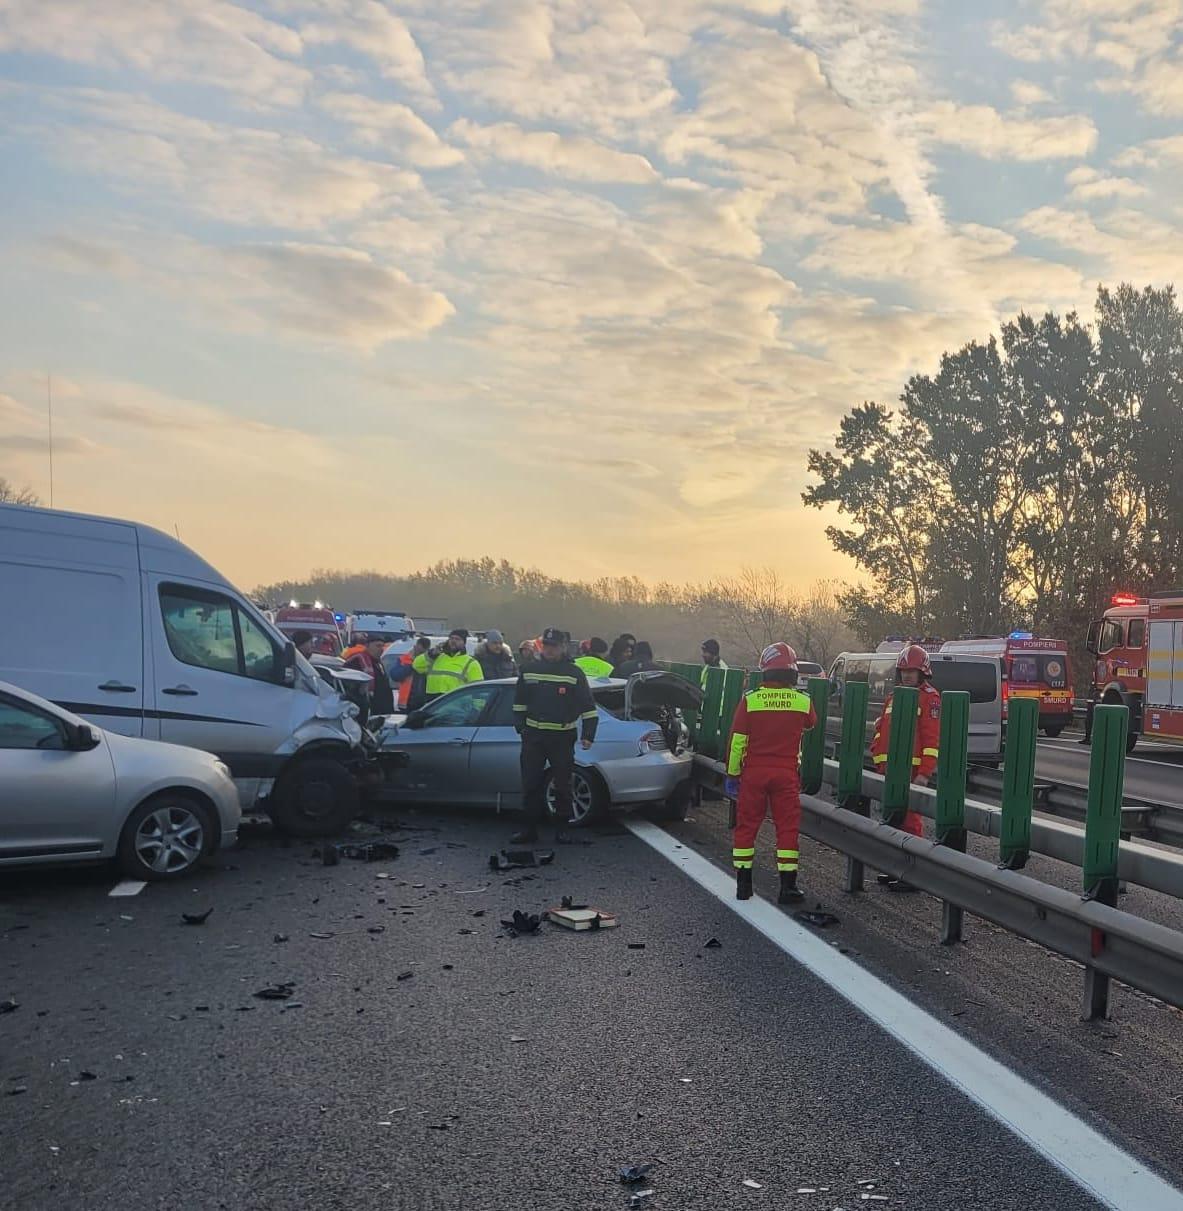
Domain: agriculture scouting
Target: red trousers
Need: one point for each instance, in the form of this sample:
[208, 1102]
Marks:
[778, 788]
[914, 824]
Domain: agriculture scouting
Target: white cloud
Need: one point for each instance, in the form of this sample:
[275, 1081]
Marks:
[571, 156]
[1026, 92]
[371, 28]
[208, 42]
[1089, 185]
[996, 136]
[390, 125]
[236, 174]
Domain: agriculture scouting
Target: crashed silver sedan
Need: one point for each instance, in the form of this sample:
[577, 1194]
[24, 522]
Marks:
[463, 748]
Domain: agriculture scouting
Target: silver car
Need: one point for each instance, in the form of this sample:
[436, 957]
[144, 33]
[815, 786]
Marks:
[463, 748]
[71, 792]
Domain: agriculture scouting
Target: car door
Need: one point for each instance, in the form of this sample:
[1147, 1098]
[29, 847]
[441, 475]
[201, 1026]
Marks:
[438, 745]
[56, 802]
[495, 756]
[219, 678]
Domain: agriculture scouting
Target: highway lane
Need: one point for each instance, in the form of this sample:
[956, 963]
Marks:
[500, 1072]
[1153, 773]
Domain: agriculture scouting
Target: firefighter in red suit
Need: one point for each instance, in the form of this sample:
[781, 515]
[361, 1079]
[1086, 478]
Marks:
[762, 767]
[912, 669]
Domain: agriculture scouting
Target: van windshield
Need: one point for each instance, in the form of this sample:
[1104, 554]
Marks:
[980, 679]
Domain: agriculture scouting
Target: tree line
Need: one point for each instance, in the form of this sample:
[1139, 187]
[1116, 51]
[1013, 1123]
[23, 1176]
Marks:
[1021, 484]
[745, 613]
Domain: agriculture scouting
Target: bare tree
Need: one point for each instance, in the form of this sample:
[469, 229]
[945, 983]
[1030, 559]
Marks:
[10, 494]
[820, 630]
[752, 610]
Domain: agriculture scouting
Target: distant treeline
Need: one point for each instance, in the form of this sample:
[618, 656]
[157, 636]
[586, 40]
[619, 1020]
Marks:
[744, 613]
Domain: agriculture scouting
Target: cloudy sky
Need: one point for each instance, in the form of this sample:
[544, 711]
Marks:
[578, 283]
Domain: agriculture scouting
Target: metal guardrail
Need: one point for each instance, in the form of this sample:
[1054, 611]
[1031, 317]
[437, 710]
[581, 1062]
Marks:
[1089, 928]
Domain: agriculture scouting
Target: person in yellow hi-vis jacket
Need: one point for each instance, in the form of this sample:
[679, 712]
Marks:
[449, 667]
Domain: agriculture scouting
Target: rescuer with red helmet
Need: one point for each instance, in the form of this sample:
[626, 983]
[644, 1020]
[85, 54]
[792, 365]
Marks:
[912, 669]
[762, 769]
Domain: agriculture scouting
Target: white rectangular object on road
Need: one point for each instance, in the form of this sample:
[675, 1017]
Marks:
[128, 887]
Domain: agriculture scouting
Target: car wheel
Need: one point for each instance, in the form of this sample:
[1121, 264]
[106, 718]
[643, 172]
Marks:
[589, 799]
[164, 838]
[316, 797]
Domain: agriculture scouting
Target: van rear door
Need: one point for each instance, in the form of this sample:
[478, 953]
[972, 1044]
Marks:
[70, 620]
[981, 676]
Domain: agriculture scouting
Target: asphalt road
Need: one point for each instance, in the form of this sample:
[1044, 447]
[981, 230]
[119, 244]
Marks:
[1154, 771]
[426, 1059]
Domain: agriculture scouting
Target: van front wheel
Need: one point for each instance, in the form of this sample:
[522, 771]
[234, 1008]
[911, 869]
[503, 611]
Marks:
[316, 797]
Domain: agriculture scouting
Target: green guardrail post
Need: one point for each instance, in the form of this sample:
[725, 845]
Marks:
[897, 780]
[1018, 783]
[813, 745]
[952, 770]
[734, 685]
[852, 748]
[1102, 836]
[708, 721]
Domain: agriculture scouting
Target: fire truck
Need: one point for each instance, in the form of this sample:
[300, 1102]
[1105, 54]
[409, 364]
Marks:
[1032, 667]
[1137, 648]
[315, 618]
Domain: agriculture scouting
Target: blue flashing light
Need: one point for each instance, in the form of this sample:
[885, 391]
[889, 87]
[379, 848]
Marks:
[339, 617]
[1021, 635]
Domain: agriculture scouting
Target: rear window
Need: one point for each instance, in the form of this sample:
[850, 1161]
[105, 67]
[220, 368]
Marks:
[1030, 668]
[980, 680]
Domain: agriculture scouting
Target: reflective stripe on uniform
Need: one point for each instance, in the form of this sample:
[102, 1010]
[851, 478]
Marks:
[768, 699]
[930, 752]
[787, 859]
[915, 760]
[742, 859]
[739, 748]
[520, 706]
[592, 714]
[879, 760]
[551, 677]
[550, 727]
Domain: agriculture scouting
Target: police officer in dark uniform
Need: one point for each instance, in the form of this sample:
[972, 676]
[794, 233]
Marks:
[552, 700]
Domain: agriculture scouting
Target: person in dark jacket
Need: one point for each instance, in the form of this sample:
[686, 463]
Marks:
[551, 701]
[378, 699]
[641, 662]
[621, 649]
[495, 658]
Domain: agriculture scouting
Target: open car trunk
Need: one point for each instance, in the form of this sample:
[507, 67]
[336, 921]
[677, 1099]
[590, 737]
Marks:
[649, 692]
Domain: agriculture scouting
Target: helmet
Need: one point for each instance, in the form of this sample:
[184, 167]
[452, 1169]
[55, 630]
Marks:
[778, 656]
[914, 657]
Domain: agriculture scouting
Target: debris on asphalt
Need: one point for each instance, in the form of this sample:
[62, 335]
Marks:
[196, 918]
[751, 1185]
[817, 917]
[874, 1198]
[518, 1038]
[17, 1089]
[276, 992]
[806, 1189]
[582, 918]
[447, 967]
[405, 975]
[376, 929]
[520, 859]
[629, 1174]
[320, 935]
[636, 946]
[9, 1006]
[279, 937]
[568, 902]
[292, 1005]
[713, 944]
[371, 851]
[641, 1197]
[480, 912]
[522, 922]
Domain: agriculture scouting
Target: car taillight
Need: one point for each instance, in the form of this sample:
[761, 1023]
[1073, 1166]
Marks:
[654, 742]
[1005, 699]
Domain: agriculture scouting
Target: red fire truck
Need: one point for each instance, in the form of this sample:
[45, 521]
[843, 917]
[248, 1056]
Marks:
[1032, 667]
[1137, 647]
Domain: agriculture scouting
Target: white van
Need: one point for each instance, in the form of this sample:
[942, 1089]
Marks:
[981, 676]
[126, 626]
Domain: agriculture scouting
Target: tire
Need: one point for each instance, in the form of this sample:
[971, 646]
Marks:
[165, 838]
[1053, 732]
[315, 797]
[1130, 741]
[589, 798]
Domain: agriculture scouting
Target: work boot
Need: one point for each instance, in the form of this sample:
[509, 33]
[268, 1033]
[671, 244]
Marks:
[526, 836]
[743, 884]
[790, 893]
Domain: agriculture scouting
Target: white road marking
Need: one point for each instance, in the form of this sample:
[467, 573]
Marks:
[1113, 1177]
[128, 887]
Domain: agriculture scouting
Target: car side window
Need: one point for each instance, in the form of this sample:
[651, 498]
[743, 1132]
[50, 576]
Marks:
[209, 631]
[24, 727]
[1137, 637]
[460, 709]
[501, 709]
[200, 629]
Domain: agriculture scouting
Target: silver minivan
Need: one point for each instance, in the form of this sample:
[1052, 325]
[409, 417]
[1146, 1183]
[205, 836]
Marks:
[981, 676]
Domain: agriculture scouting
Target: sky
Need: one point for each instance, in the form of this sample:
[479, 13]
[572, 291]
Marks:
[579, 283]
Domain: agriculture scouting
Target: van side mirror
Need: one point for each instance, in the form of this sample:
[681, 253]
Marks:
[80, 738]
[287, 664]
